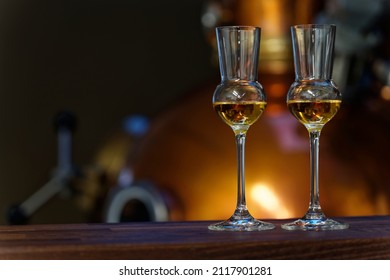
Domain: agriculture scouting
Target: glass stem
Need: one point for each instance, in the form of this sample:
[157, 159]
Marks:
[314, 211]
[241, 203]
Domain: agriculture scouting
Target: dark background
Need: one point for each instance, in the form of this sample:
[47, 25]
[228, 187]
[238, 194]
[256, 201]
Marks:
[100, 59]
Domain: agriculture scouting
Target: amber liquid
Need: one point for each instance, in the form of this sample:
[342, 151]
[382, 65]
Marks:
[240, 115]
[314, 114]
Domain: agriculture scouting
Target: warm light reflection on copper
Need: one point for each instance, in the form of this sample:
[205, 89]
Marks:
[275, 109]
[273, 17]
[385, 92]
[265, 14]
[267, 199]
[278, 89]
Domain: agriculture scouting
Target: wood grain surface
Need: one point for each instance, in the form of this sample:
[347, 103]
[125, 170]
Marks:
[367, 238]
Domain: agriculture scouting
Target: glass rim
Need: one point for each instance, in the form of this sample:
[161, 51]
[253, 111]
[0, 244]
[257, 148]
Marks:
[238, 27]
[314, 25]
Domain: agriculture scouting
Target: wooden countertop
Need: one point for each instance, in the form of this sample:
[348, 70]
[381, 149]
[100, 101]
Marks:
[367, 238]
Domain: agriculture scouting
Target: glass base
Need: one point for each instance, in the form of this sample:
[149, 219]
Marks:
[241, 223]
[315, 225]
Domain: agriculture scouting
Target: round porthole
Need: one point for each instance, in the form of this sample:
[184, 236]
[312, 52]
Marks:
[138, 202]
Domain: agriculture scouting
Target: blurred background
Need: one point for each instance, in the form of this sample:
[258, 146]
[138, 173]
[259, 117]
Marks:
[106, 112]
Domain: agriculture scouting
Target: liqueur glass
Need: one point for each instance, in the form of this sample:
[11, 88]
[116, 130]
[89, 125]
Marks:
[239, 100]
[313, 99]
